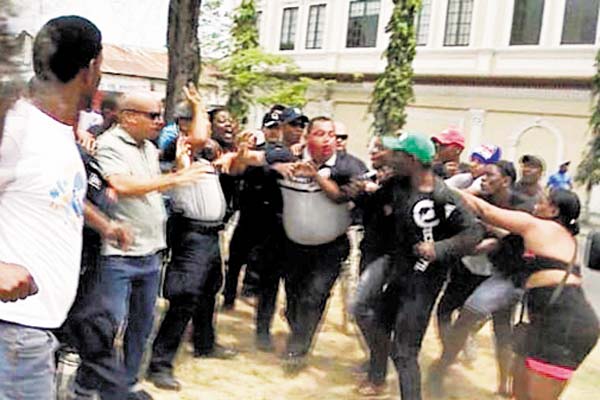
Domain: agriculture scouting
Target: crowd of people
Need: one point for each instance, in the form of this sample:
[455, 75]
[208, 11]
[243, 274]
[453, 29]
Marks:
[469, 237]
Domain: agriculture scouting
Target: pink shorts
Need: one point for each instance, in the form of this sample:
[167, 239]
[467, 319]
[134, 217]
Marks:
[549, 370]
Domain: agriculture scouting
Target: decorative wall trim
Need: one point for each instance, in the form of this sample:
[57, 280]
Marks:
[536, 122]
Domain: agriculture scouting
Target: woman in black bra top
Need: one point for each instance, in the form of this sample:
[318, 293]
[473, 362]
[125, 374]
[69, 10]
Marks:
[563, 329]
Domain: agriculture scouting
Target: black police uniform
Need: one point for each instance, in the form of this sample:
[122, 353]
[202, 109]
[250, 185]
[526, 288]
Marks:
[312, 269]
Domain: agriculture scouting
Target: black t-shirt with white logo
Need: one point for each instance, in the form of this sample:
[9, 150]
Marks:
[437, 217]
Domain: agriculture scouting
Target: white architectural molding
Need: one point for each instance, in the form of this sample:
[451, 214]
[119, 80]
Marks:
[477, 121]
[505, 92]
[536, 122]
[488, 54]
[426, 114]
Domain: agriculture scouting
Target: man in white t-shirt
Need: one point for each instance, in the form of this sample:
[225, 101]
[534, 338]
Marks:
[42, 190]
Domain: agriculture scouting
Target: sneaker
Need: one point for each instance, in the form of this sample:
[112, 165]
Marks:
[139, 395]
[164, 380]
[372, 390]
[218, 352]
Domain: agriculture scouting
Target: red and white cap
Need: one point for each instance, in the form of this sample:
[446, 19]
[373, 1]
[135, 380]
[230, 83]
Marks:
[450, 136]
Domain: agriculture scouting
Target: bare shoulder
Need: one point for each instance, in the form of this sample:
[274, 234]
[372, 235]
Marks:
[549, 238]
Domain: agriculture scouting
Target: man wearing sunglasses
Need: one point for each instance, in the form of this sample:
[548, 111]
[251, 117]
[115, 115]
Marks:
[129, 279]
[341, 137]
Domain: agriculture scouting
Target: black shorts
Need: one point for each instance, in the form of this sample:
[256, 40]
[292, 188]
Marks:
[561, 334]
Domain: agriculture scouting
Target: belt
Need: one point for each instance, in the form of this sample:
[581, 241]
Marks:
[201, 226]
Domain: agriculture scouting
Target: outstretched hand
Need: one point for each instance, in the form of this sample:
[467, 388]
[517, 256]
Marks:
[192, 95]
[183, 153]
[307, 169]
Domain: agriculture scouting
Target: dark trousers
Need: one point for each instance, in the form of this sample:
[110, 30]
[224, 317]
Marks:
[374, 309]
[461, 285]
[128, 287]
[191, 284]
[242, 251]
[309, 276]
[269, 266]
[418, 292]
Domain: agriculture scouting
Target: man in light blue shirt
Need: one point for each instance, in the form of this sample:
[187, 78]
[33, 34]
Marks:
[561, 179]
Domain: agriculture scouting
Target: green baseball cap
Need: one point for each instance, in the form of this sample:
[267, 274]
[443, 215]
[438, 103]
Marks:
[420, 146]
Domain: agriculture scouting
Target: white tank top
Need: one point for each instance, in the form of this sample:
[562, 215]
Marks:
[309, 217]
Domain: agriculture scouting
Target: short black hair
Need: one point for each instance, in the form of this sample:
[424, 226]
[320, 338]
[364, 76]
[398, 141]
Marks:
[213, 113]
[277, 107]
[532, 160]
[110, 101]
[507, 168]
[64, 46]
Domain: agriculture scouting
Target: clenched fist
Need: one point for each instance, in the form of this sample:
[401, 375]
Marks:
[16, 283]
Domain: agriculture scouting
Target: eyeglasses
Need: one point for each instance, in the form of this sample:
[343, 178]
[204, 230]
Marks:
[151, 114]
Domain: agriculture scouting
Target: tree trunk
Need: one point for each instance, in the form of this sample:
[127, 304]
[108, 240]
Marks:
[11, 81]
[184, 50]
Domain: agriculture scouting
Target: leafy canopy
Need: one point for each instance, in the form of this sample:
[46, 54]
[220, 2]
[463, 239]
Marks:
[588, 171]
[393, 89]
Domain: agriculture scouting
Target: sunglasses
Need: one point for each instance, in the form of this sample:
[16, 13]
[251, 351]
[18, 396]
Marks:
[151, 115]
[341, 137]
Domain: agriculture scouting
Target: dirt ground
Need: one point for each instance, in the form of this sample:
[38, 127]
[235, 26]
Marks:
[255, 375]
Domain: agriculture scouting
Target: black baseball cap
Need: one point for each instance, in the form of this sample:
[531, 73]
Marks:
[272, 119]
[293, 114]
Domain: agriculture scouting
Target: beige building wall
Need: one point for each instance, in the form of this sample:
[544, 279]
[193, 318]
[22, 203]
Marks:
[549, 122]
[552, 123]
[524, 98]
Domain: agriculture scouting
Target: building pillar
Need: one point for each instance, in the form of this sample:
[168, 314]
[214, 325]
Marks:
[477, 118]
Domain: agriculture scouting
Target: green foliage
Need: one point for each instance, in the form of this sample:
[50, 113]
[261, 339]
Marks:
[244, 30]
[290, 93]
[393, 88]
[588, 171]
[253, 76]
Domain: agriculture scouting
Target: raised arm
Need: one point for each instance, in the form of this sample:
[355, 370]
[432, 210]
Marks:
[518, 222]
[127, 185]
[200, 130]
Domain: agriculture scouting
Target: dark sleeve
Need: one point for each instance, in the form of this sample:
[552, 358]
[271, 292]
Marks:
[168, 153]
[346, 168]
[465, 230]
[439, 169]
[278, 155]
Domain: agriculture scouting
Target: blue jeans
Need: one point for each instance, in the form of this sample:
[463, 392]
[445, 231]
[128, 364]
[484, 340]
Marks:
[129, 286]
[373, 317]
[26, 363]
